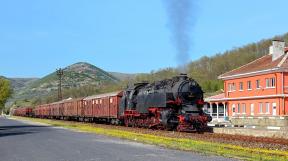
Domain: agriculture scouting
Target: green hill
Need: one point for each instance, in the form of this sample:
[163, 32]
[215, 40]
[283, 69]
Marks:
[75, 76]
[206, 69]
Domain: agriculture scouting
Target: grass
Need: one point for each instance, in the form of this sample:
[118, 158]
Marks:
[205, 147]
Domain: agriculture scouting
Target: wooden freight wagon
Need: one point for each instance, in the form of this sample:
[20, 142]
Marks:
[39, 111]
[55, 113]
[88, 113]
[23, 111]
[71, 108]
[103, 106]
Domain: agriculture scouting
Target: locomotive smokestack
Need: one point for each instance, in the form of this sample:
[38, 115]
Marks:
[182, 76]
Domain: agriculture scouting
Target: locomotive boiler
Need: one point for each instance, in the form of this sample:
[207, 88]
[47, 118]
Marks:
[174, 104]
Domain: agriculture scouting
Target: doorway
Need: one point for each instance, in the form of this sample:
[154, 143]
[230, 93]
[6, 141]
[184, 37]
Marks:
[274, 110]
[252, 109]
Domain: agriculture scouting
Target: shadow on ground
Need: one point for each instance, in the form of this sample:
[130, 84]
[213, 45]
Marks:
[21, 130]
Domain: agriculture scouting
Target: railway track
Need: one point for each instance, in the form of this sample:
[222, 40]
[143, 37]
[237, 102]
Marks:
[245, 141]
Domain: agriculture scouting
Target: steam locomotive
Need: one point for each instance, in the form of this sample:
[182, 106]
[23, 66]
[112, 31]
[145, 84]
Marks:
[173, 104]
[168, 104]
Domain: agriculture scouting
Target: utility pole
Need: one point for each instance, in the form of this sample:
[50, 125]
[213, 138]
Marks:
[59, 73]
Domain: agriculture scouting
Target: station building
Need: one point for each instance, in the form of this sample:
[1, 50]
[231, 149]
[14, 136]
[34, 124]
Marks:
[257, 89]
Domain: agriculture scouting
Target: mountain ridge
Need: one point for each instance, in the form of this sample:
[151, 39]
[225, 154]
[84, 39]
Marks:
[76, 75]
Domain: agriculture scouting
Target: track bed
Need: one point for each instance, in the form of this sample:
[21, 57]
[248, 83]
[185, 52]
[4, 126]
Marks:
[246, 141]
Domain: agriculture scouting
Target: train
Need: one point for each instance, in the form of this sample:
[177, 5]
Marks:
[170, 104]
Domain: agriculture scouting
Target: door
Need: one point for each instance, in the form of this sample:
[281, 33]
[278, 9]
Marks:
[233, 110]
[252, 109]
[274, 109]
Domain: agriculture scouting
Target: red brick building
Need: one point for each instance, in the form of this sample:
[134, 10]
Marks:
[259, 88]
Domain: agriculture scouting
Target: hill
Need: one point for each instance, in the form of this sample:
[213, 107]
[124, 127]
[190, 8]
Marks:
[206, 69]
[78, 75]
[123, 76]
[19, 83]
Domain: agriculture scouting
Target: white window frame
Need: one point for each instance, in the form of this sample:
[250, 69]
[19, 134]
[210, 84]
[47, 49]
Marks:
[252, 111]
[243, 108]
[273, 82]
[231, 87]
[267, 107]
[260, 105]
[258, 84]
[267, 82]
[270, 82]
[238, 108]
[240, 86]
[249, 85]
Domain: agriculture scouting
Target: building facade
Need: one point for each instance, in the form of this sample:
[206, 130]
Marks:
[259, 88]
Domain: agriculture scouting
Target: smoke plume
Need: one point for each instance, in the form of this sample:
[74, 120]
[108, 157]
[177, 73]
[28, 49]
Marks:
[181, 20]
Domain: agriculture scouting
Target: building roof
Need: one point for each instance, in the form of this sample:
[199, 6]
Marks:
[217, 97]
[264, 63]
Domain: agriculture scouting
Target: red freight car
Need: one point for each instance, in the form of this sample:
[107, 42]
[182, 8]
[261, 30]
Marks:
[72, 108]
[23, 111]
[41, 111]
[55, 110]
[103, 106]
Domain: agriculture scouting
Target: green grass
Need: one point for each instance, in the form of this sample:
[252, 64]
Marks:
[226, 150]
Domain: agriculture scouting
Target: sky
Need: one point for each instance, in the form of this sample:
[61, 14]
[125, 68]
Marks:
[128, 36]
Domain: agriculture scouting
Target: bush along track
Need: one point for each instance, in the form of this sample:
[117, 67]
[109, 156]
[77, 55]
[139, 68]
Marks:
[201, 146]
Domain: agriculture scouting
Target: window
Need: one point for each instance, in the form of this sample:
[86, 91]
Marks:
[100, 101]
[258, 84]
[93, 102]
[231, 87]
[238, 108]
[111, 100]
[243, 108]
[241, 86]
[260, 107]
[267, 83]
[233, 108]
[272, 80]
[267, 107]
[249, 87]
[96, 101]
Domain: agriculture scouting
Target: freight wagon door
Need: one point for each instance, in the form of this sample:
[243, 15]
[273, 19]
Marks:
[80, 109]
[94, 108]
[113, 107]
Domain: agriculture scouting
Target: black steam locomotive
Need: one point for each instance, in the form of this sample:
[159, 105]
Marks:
[174, 104]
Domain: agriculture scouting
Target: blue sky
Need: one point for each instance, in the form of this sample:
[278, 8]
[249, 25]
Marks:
[129, 36]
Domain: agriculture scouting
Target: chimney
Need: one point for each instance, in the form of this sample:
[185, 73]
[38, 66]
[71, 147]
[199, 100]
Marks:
[277, 49]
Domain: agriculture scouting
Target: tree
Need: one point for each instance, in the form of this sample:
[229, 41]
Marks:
[5, 92]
